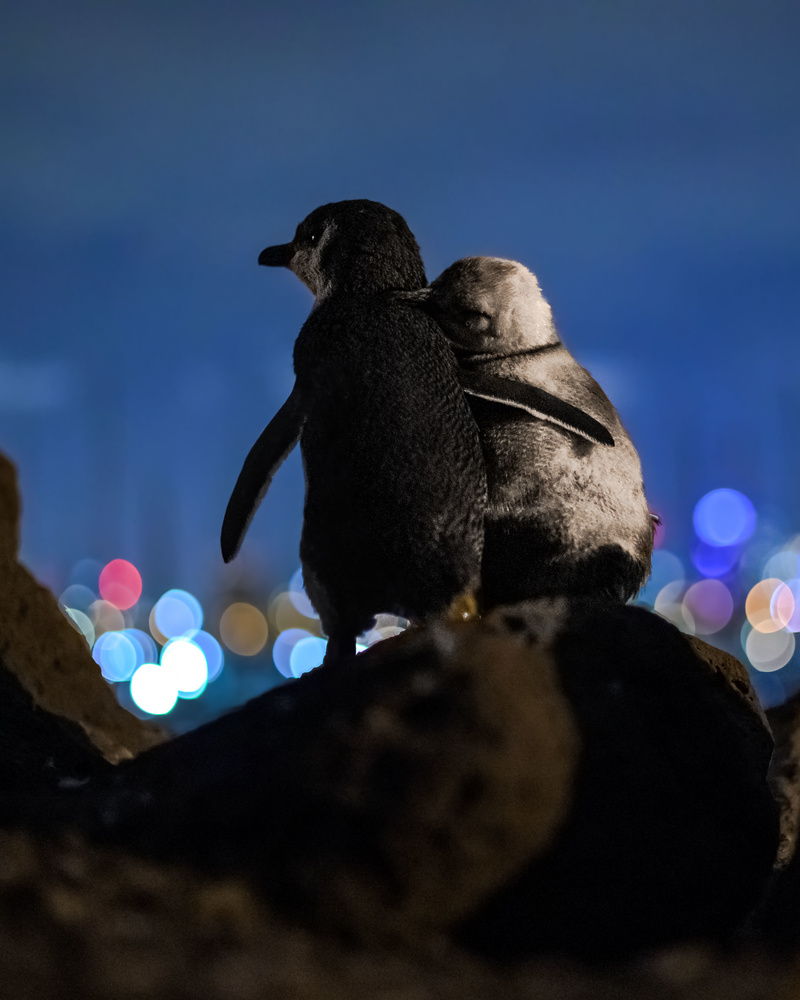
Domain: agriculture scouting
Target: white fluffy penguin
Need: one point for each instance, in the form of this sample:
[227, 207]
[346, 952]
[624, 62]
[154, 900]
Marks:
[566, 510]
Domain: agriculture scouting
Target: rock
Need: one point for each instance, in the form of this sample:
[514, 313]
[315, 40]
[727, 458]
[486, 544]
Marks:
[79, 921]
[784, 774]
[672, 831]
[48, 657]
[564, 776]
[379, 799]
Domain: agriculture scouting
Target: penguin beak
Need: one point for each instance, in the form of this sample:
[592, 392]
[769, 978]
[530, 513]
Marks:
[280, 256]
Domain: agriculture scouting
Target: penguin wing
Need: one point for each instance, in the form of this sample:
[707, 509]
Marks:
[539, 403]
[264, 459]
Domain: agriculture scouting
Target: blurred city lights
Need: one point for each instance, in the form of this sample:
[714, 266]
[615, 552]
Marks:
[155, 631]
[710, 604]
[283, 646]
[215, 658]
[306, 655]
[77, 596]
[298, 596]
[784, 564]
[82, 623]
[146, 649]
[154, 689]
[284, 613]
[714, 560]
[669, 604]
[243, 629]
[187, 663]
[179, 659]
[177, 612]
[769, 651]
[724, 517]
[792, 622]
[116, 655]
[105, 617]
[758, 605]
[120, 584]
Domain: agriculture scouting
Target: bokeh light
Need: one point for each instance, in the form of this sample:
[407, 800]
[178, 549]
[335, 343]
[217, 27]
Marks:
[146, 649]
[243, 629]
[669, 604]
[724, 517]
[283, 646]
[154, 689]
[187, 663]
[759, 604]
[306, 655]
[769, 651]
[714, 560]
[116, 655]
[710, 605]
[176, 612]
[106, 618]
[120, 584]
[77, 596]
[792, 622]
[284, 613]
[215, 658]
[82, 623]
[298, 596]
[784, 564]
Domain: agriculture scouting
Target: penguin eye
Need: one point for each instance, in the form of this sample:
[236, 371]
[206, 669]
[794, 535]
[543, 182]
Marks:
[474, 319]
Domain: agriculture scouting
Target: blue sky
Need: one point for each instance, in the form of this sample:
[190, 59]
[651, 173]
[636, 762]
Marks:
[643, 159]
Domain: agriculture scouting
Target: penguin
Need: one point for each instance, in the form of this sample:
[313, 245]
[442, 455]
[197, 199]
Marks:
[394, 472]
[566, 510]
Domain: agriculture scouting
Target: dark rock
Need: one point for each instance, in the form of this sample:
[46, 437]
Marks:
[672, 832]
[380, 799]
[48, 657]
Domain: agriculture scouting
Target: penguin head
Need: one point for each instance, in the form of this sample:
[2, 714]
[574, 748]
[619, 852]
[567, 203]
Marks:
[357, 246]
[488, 305]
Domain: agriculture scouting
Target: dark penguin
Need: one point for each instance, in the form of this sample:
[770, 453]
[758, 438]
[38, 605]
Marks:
[564, 514]
[395, 481]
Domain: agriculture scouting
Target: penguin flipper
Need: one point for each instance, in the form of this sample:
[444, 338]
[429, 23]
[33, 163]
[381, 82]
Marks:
[538, 402]
[264, 459]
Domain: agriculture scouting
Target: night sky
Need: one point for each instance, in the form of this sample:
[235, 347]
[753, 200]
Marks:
[642, 159]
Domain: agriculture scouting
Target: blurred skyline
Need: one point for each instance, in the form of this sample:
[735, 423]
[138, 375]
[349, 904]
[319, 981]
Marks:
[642, 160]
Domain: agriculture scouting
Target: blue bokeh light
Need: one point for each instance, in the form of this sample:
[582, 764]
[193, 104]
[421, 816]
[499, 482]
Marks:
[307, 654]
[177, 612]
[724, 517]
[283, 646]
[77, 596]
[116, 655]
[714, 560]
[215, 658]
[146, 649]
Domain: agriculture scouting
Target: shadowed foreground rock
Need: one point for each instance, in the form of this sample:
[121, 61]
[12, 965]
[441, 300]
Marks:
[562, 778]
[48, 658]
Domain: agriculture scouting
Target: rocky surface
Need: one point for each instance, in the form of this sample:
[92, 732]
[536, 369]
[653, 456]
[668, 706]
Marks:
[48, 657]
[473, 809]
